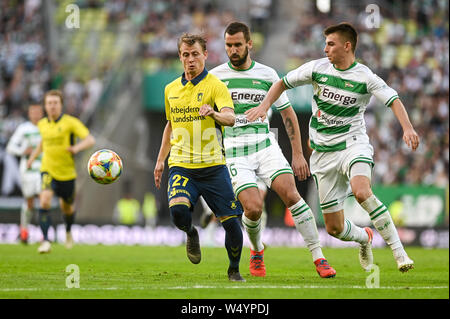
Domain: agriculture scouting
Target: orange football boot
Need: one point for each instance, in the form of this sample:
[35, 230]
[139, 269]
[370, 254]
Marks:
[257, 267]
[324, 269]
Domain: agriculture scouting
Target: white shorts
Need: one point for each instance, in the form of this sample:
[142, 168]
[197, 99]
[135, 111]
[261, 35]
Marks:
[31, 184]
[331, 172]
[264, 165]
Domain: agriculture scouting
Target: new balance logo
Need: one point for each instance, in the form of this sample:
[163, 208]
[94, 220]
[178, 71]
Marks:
[348, 85]
[323, 79]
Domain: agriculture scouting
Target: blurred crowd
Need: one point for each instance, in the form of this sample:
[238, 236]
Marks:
[24, 63]
[168, 19]
[409, 49]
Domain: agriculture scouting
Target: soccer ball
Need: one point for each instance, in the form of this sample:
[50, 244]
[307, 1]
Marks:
[105, 166]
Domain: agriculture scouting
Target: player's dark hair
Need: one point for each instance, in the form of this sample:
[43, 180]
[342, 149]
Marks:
[54, 93]
[191, 39]
[235, 27]
[346, 31]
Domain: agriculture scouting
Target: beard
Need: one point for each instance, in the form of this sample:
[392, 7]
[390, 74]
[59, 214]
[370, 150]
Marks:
[241, 60]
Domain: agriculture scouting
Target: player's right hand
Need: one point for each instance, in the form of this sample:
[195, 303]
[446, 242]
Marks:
[254, 113]
[159, 168]
[300, 167]
[29, 162]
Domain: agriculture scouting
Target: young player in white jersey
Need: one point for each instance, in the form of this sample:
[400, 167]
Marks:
[252, 151]
[25, 138]
[342, 155]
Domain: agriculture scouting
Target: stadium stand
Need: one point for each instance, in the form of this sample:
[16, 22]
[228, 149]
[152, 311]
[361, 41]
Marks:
[119, 40]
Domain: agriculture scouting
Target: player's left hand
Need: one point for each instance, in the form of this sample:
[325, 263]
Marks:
[206, 110]
[300, 167]
[411, 138]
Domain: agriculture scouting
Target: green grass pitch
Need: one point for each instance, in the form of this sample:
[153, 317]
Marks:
[137, 272]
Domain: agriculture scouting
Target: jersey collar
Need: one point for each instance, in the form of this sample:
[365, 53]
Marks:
[232, 67]
[351, 66]
[57, 120]
[195, 80]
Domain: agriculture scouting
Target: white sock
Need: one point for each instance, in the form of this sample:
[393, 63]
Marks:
[306, 226]
[352, 232]
[382, 221]
[253, 229]
[25, 215]
[263, 219]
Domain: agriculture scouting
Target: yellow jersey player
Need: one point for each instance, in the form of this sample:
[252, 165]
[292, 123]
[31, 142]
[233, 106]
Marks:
[58, 146]
[198, 105]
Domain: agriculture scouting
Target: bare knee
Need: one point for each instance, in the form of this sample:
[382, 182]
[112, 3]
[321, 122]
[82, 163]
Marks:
[334, 229]
[362, 194]
[292, 197]
[361, 188]
[253, 209]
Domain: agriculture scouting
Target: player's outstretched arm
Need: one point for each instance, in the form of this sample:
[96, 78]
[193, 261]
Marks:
[225, 117]
[260, 111]
[34, 154]
[410, 136]
[162, 155]
[299, 164]
[85, 143]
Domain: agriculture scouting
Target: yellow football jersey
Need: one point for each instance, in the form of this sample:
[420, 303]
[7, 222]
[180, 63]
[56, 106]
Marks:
[196, 140]
[57, 136]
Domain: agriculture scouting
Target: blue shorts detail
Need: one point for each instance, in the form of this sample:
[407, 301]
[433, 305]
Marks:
[62, 189]
[213, 183]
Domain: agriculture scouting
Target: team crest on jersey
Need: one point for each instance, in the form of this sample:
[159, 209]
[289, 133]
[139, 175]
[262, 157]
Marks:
[199, 97]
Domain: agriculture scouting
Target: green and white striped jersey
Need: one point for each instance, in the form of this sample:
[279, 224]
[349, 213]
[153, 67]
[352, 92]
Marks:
[26, 135]
[248, 88]
[339, 102]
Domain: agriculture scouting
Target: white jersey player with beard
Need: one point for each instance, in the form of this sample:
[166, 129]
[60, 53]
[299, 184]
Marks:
[252, 151]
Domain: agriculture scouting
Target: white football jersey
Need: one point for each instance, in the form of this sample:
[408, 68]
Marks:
[339, 102]
[26, 135]
[248, 88]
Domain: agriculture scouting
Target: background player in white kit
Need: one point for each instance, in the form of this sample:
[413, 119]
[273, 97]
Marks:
[342, 154]
[24, 140]
[252, 151]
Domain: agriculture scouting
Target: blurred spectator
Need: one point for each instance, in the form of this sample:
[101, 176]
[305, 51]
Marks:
[128, 209]
[260, 12]
[150, 210]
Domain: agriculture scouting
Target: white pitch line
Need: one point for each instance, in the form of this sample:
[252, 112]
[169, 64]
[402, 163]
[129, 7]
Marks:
[221, 287]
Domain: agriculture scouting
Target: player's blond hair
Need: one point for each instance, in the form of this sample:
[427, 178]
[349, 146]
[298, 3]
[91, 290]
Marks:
[54, 93]
[191, 39]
